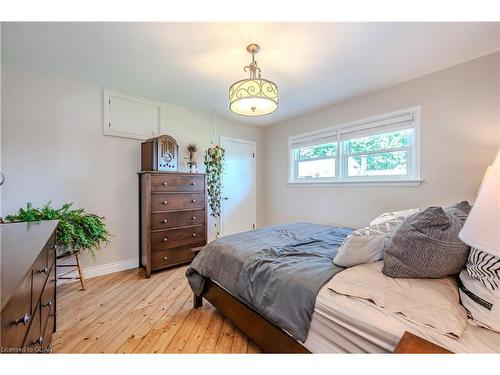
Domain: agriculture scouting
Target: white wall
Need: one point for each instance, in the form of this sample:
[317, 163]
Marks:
[460, 137]
[53, 150]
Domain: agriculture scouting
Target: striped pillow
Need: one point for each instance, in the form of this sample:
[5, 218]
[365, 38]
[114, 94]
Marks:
[480, 289]
[484, 267]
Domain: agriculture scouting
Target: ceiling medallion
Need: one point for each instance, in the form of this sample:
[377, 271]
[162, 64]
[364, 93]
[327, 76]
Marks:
[254, 96]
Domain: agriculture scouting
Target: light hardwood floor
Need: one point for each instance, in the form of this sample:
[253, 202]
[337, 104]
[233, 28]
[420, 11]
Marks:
[126, 313]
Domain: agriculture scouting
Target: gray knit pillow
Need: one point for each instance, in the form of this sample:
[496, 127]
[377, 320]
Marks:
[426, 245]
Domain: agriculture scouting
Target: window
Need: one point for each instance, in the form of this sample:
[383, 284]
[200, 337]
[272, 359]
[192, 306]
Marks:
[381, 149]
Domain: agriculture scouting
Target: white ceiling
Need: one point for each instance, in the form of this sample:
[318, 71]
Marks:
[192, 64]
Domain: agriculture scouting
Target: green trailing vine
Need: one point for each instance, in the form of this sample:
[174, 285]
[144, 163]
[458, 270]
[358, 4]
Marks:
[77, 229]
[214, 160]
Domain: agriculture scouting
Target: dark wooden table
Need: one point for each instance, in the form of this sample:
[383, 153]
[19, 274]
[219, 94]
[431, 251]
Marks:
[28, 286]
[412, 344]
[20, 246]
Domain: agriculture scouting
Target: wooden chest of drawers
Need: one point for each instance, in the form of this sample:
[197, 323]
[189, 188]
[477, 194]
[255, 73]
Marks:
[28, 286]
[173, 218]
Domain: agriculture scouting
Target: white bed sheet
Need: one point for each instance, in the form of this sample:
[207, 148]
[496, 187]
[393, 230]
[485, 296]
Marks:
[342, 324]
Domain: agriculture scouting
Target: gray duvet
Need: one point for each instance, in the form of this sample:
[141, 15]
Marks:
[276, 270]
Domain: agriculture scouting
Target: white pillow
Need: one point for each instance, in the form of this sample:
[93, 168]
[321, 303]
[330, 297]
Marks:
[389, 217]
[480, 289]
[367, 245]
[361, 246]
[429, 302]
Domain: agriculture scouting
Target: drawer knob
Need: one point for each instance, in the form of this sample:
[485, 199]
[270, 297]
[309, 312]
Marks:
[164, 202]
[193, 200]
[165, 258]
[25, 319]
[194, 234]
[165, 220]
[48, 304]
[165, 239]
[165, 184]
[44, 270]
[193, 183]
[194, 218]
[39, 340]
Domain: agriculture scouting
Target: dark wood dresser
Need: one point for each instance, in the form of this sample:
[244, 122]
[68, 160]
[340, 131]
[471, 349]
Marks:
[173, 218]
[28, 286]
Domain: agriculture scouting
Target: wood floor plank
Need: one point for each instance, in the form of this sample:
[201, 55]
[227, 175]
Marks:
[161, 337]
[226, 337]
[81, 319]
[82, 310]
[212, 334]
[199, 331]
[149, 343]
[152, 320]
[104, 314]
[74, 295]
[186, 328]
[125, 312]
[112, 338]
[240, 342]
[96, 330]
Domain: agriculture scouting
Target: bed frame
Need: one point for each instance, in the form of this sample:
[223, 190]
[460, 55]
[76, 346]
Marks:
[272, 339]
[269, 337]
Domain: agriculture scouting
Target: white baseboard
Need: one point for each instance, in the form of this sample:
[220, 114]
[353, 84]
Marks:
[103, 269]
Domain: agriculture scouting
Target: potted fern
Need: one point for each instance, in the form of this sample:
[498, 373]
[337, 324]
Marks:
[77, 230]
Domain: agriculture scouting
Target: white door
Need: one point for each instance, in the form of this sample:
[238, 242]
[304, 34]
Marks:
[239, 205]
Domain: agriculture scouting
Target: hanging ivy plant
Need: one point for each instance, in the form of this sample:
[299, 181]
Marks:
[214, 159]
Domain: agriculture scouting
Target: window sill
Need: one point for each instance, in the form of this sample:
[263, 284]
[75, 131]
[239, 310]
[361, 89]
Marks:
[372, 183]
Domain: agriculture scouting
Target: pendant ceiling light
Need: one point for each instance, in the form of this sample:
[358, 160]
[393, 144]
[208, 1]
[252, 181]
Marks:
[254, 96]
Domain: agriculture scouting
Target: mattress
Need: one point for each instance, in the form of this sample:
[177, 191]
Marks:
[343, 324]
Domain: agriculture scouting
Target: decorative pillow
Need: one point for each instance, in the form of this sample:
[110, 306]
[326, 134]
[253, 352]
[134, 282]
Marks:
[361, 246]
[480, 289]
[460, 210]
[387, 221]
[367, 245]
[426, 245]
[429, 302]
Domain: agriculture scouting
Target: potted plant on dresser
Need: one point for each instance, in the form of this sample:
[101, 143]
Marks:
[77, 231]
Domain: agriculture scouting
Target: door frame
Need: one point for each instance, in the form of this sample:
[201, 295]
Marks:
[254, 177]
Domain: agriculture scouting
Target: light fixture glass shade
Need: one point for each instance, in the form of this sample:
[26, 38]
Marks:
[253, 97]
[482, 228]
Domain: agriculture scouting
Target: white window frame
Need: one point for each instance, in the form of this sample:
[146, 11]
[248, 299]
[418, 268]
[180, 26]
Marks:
[412, 178]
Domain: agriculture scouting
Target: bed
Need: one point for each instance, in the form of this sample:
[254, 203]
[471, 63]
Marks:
[256, 279]
[343, 324]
